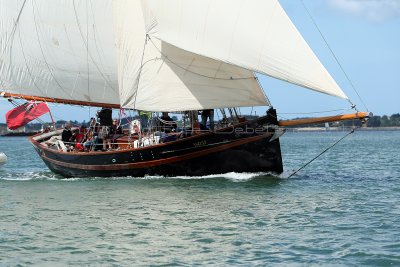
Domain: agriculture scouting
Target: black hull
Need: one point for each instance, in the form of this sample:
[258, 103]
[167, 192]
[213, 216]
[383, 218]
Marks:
[252, 146]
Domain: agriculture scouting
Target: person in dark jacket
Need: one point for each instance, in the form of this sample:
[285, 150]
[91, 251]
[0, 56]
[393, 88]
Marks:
[66, 134]
[106, 121]
[105, 117]
[167, 124]
[207, 114]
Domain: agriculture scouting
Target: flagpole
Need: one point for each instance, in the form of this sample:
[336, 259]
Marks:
[51, 117]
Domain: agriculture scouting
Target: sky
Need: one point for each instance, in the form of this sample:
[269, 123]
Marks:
[365, 38]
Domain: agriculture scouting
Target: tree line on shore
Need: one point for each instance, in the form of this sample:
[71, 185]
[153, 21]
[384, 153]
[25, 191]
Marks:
[374, 121]
[385, 121]
[379, 121]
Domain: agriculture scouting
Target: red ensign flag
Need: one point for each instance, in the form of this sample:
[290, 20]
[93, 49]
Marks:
[25, 113]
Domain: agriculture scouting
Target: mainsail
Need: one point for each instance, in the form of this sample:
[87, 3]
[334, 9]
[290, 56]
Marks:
[58, 49]
[154, 55]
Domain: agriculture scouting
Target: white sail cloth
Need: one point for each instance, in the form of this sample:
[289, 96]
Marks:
[157, 76]
[153, 55]
[58, 49]
[253, 34]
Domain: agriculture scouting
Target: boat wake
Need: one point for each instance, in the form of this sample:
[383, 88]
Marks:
[28, 176]
[234, 176]
[48, 175]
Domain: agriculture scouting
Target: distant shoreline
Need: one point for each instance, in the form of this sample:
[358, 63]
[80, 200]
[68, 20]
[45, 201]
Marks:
[19, 134]
[339, 129]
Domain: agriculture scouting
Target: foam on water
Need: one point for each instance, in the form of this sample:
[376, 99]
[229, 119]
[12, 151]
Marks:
[28, 176]
[234, 176]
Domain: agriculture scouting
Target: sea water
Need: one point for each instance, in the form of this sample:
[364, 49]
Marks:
[341, 210]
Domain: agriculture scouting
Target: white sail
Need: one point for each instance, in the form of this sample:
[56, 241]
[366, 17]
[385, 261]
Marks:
[153, 54]
[254, 34]
[58, 49]
[157, 76]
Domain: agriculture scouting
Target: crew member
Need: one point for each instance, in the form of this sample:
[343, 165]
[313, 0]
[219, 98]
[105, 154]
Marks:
[66, 134]
[105, 118]
[167, 124]
[207, 114]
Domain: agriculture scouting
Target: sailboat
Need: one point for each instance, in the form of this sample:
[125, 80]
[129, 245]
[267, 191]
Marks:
[160, 56]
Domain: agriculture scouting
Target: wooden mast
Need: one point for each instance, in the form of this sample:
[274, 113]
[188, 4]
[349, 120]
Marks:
[345, 117]
[59, 100]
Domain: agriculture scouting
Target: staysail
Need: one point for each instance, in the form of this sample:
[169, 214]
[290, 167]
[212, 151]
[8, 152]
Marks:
[256, 35]
[153, 55]
[154, 75]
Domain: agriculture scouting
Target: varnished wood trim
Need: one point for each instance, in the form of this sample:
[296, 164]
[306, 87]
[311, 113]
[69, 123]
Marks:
[60, 100]
[358, 115]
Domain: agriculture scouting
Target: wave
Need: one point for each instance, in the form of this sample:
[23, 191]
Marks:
[48, 175]
[28, 176]
[234, 176]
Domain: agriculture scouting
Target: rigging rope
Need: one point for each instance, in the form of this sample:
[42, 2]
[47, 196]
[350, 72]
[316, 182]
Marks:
[195, 73]
[87, 49]
[315, 112]
[140, 70]
[323, 152]
[42, 50]
[336, 59]
[84, 39]
[12, 34]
